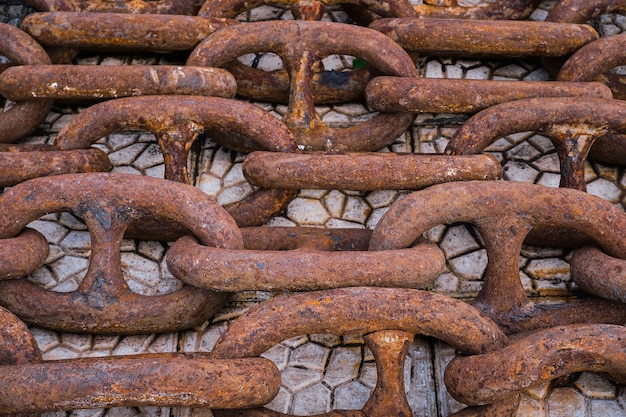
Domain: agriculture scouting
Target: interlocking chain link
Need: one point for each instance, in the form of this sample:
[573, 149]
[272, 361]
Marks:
[379, 283]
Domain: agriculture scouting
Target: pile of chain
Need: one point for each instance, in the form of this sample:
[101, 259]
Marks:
[363, 282]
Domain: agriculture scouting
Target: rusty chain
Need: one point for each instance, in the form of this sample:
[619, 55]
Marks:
[348, 281]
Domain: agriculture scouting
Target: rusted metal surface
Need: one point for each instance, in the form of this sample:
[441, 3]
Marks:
[434, 95]
[120, 32]
[22, 254]
[300, 44]
[24, 117]
[593, 61]
[302, 269]
[108, 203]
[572, 124]
[369, 312]
[504, 213]
[183, 7]
[307, 10]
[289, 238]
[183, 380]
[18, 347]
[365, 171]
[82, 82]
[536, 358]
[176, 122]
[501, 10]
[598, 273]
[577, 11]
[19, 165]
[459, 37]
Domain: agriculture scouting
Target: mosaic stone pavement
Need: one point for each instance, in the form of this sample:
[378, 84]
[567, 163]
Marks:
[323, 372]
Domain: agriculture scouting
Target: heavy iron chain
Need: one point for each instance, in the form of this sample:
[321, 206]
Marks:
[371, 283]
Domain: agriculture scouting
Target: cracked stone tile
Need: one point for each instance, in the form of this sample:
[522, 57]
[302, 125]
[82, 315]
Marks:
[427, 133]
[434, 70]
[310, 356]
[610, 173]
[77, 240]
[60, 352]
[126, 170]
[604, 189]
[453, 71]
[549, 180]
[351, 396]
[296, 379]
[105, 342]
[592, 385]
[234, 194]
[470, 288]
[381, 198]
[209, 184]
[542, 143]
[527, 282]
[518, 171]
[511, 71]
[566, 402]
[443, 355]
[71, 222]
[55, 253]
[76, 342]
[312, 400]
[278, 354]
[446, 283]
[127, 155]
[548, 163]
[356, 210]
[538, 75]
[294, 342]
[334, 202]
[163, 343]
[375, 217]
[333, 118]
[332, 62]
[590, 173]
[436, 233]
[307, 211]
[70, 266]
[351, 109]
[270, 62]
[151, 249]
[500, 145]
[281, 402]
[234, 176]
[343, 224]
[480, 73]
[470, 266]
[43, 277]
[522, 152]
[61, 122]
[550, 288]
[318, 194]
[343, 365]
[550, 268]
[53, 232]
[606, 408]
[328, 340]
[539, 392]
[528, 407]
[221, 163]
[457, 241]
[368, 375]
[46, 339]
[141, 274]
[130, 345]
[150, 157]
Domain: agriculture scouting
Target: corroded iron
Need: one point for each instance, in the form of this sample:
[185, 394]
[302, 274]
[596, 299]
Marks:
[300, 44]
[162, 379]
[81, 82]
[120, 32]
[598, 273]
[183, 7]
[365, 171]
[20, 163]
[572, 124]
[270, 270]
[289, 238]
[578, 11]
[17, 347]
[504, 213]
[23, 254]
[459, 37]
[593, 61]
[387, 317]
[176, 122]
[166, 379]
[108, 203]
[535, 358]
[24, 117]
[501, 10]
[434, 95]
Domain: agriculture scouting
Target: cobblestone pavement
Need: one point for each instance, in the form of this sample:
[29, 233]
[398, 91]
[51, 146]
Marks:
[323, 372]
